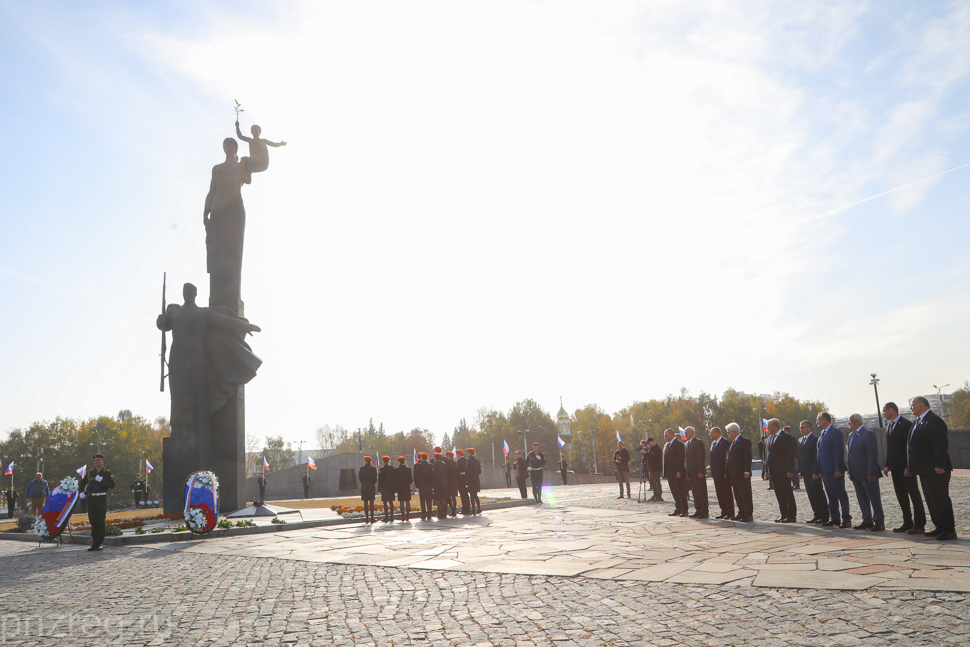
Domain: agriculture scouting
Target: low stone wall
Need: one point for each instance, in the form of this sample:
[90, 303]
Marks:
[959, 440]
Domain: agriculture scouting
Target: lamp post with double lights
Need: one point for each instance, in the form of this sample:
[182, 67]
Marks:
[875, 382]
[939, 395]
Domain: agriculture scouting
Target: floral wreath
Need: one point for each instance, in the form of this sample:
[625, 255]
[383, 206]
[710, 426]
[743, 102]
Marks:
[201, 502]
[57, 509]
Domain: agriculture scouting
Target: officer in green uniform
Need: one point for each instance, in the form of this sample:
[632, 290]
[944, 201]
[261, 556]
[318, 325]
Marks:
[138, 489]
[94, 489]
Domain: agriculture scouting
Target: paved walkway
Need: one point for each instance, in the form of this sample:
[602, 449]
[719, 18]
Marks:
[560, 574]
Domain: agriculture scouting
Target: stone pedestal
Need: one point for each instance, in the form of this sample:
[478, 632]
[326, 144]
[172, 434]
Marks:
[228, 434]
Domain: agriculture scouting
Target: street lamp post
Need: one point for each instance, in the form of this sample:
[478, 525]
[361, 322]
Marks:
[875, 382]
[939, 395]
[525, 442]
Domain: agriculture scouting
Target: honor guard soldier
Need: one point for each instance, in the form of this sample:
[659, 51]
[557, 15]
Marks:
[386, 486]
[402, 483]
[367, 476]
[439, 480]
[452, 473]
[462, 464]
[94, 489]
[261, 481]
[138, 490]
[536, 460]
[424, 484]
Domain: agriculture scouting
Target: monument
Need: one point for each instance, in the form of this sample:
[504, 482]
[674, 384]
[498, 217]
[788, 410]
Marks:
[210, 362]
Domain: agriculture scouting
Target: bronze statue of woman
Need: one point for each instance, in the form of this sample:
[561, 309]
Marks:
[225, 223]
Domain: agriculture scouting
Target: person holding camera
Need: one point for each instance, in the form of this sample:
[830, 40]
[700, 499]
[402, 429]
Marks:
[621, 457]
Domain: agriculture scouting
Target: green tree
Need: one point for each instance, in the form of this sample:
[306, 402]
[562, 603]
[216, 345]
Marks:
[278, 453]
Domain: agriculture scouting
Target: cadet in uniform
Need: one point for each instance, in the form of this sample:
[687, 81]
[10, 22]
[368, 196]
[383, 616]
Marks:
[367, 476]
[452, 472]
[94, 488]
[521, 471]
[402, 483]
[439, 479]
[424, 485]
[462, 465]
[474, 481]
[385, 485]
[261, 481]
[536, 460]
[138, 489]
[306, 486]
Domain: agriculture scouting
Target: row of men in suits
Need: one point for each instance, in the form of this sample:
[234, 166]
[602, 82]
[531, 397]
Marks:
[915, 450]
[685, 469]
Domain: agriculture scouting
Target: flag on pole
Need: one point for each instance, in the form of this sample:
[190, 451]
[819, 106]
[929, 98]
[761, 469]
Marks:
[414, 458]
[680, 430]
[505, 448]
[81, 470]
[764, 426]
[9, 469]
[618, 439]
[562, 443]
[148, 467]
[310, 463]
[265, 464]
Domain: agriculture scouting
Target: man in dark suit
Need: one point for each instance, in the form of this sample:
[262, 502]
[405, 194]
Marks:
[830, 465]
[697, 473]
[807, 451]
[722, 484]
[738, 468]
[929, 458]
[863, 470]
[675, 471]
[906, 487]
[780, 464]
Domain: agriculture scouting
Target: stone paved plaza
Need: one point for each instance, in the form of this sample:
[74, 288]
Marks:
[582, 569]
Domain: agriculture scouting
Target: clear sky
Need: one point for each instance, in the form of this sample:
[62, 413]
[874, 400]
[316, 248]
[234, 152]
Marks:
[486, 202]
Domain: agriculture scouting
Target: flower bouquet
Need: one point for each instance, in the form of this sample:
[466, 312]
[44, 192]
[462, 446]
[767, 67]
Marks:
[201, 502]
[57, 509]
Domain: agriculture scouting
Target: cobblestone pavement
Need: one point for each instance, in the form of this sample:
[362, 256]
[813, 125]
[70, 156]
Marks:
[138, 596]
[582, 569]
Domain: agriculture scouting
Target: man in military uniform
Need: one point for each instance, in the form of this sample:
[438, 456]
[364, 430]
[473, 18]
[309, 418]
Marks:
[462, 465]
[306, 486]
[94, 489]
[138, 490]
[536, 461]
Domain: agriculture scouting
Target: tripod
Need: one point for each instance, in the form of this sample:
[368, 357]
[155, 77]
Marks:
[644, 487]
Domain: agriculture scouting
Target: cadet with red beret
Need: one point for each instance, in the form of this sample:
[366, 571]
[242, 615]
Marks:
[424, 485]
[402, 481]
[387, 487]
[461, 465]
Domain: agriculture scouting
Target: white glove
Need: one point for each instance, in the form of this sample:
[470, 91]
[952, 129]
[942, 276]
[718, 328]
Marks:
[82, 495]
[528, 469]
[98, 478]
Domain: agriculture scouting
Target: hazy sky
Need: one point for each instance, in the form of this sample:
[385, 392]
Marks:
[486, 202]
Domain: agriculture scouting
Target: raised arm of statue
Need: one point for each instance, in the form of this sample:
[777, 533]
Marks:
[240, 135]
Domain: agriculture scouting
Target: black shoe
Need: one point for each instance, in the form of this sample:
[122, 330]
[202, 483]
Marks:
[780, 520]
[846, 524]
[904, 527]
[684, 514]
[865, 525]
[693, 515]
[933, 533]
[789, 520]
[879, 527]
[815, 520]
[831, 523]
[946, 536]
[916, 530]
[748, 520]
[675, 513]
[620, 497]
[97, 548]
[703, 516]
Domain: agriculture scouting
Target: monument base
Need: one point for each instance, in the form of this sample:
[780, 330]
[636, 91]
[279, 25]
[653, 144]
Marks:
[228, 433]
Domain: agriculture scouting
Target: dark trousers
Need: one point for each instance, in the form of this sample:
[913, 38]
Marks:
[426, 497]
[508, 479]
[654, 476]
[698, 486]
[678, 490]
[742, 496]
[907, 489]
[783, 492]
[262, 493]
[816, 497]
[306, 490]
[97, 512]
[870, 502]
[936, 489]
[835, 491]
[10, 508]
[138, 496]
[520, 481]
[563, 474]
[536, 476]
[463, 493]
[722, 489]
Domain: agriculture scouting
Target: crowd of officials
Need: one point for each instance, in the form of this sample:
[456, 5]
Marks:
[915, 454]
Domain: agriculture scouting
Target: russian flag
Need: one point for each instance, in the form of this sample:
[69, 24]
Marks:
[81, 470]
[148, 467]
[9, 469]
[265, 464]
[764, 426]
[562, 443]
[505, 447]
[618, 439]
[414, 459]
[310, 463]
[683, 434]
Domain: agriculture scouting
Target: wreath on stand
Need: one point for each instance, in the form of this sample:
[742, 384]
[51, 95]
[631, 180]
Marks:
[57, 510]
[201, 502]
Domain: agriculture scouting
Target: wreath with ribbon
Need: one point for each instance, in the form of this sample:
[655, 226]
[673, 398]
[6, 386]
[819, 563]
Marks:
[201, 502]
